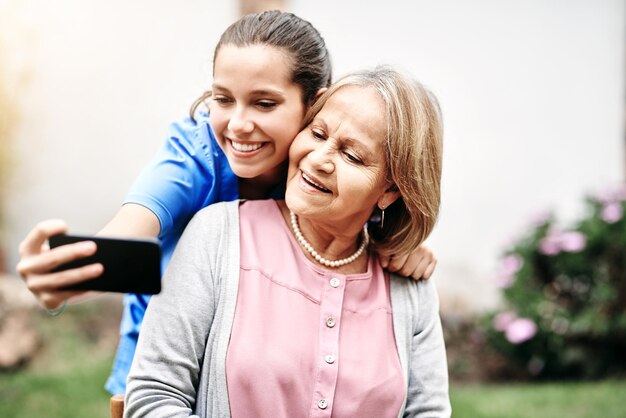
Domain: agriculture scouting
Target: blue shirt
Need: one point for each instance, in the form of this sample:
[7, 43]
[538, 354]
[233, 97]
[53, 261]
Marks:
[189, 172]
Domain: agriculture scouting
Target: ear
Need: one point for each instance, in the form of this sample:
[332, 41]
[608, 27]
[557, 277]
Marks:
[320, 92]
[315, 99]
[386, 199]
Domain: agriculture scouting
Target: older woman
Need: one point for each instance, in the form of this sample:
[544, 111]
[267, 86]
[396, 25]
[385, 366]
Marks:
[279, 309]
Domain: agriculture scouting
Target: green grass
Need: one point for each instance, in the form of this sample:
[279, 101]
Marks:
[67, 377]
[75, 393]
[540, 400]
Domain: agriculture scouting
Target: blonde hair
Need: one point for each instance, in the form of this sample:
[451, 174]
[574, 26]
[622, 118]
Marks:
[413, 155]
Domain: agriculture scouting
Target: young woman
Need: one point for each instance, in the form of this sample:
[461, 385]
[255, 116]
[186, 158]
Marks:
[276, 309]
[268, 69]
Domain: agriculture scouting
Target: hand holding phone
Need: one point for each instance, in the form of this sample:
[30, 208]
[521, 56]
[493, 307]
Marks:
[130, 265]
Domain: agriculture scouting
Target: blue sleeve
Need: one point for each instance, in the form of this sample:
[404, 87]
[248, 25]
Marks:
[176, 182]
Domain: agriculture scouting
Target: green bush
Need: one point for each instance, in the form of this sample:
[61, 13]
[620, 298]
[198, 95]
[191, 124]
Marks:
[564, 294]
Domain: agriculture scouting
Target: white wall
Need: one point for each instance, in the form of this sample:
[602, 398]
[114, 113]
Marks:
[531, 91]
[532, 94]
[96, 84]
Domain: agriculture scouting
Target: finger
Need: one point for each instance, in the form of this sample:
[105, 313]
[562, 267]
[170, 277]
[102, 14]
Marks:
[54, 300]
[397, 262]
[384, 260]
[49, 260]
[411, 267]
[418, 269]
[430, 269]
[39, 234]
[83, 295]
[54, 282]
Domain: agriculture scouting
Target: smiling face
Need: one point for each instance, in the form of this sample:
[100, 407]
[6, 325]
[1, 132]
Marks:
[337, 167]
[256, 110]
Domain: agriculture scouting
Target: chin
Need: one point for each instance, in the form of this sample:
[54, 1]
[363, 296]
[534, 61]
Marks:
[295, 202]
[289, 200]
[245, 172]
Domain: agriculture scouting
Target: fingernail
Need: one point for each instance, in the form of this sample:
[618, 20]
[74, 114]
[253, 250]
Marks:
[96, 268]
[87, 246]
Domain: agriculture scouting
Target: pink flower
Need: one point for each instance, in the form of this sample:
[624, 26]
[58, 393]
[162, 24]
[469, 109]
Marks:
[612, 213]
[502, 320]
[550, 245]
[605, 196]
[573, 241]
[504, 282]
[520, 330]
[510, 265]
[557, 241]
[611, 194]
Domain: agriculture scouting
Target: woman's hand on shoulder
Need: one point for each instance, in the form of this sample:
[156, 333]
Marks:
[37, 262]
[418, 264]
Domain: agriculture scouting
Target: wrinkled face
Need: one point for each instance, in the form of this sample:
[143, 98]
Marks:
[337, 163]
[255, 111]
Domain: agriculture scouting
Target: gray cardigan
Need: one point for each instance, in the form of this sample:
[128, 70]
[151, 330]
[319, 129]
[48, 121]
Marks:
[179, 368]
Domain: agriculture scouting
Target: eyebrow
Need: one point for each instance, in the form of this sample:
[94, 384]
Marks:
[350, 141]
[258, 92]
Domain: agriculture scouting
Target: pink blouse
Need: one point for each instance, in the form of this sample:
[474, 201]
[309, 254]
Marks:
[306, 341]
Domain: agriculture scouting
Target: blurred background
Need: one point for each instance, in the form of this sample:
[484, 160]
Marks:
[530, 241]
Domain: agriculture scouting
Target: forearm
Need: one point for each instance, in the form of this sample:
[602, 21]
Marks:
[132, 220]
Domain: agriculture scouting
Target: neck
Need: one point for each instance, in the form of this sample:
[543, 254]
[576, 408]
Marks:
[261, 186]
[330, 243]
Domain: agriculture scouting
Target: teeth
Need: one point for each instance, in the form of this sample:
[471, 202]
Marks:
[319, 186]
[245, 147]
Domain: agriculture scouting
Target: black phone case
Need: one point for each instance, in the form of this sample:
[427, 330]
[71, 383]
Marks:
[130, 265]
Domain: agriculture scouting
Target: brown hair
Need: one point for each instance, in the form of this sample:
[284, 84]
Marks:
[413, 155]
[310, 60]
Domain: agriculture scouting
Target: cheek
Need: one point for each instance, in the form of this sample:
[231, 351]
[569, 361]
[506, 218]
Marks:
[285, 142]
[286, 134]
[217, 120]
[361, 184]
[297, 149]
[290, 122]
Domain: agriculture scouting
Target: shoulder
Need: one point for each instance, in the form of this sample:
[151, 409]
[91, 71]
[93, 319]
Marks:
[193, 135]
[416, 298]
[211, 229]
[215, 222]
[187, 125]
[216, 215]
[414, 288]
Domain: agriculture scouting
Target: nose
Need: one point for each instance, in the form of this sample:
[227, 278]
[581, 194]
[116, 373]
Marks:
[240, 122]
[321, 158]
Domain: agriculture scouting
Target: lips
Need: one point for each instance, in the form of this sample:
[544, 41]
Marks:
[314, 182]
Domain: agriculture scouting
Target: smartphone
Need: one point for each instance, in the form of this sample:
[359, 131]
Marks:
[130, 265]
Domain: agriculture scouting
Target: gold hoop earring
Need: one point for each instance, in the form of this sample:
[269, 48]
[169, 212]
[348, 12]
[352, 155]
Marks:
[382, 217]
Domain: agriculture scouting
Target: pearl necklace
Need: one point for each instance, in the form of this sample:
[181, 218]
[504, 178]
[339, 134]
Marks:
[328, 263]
